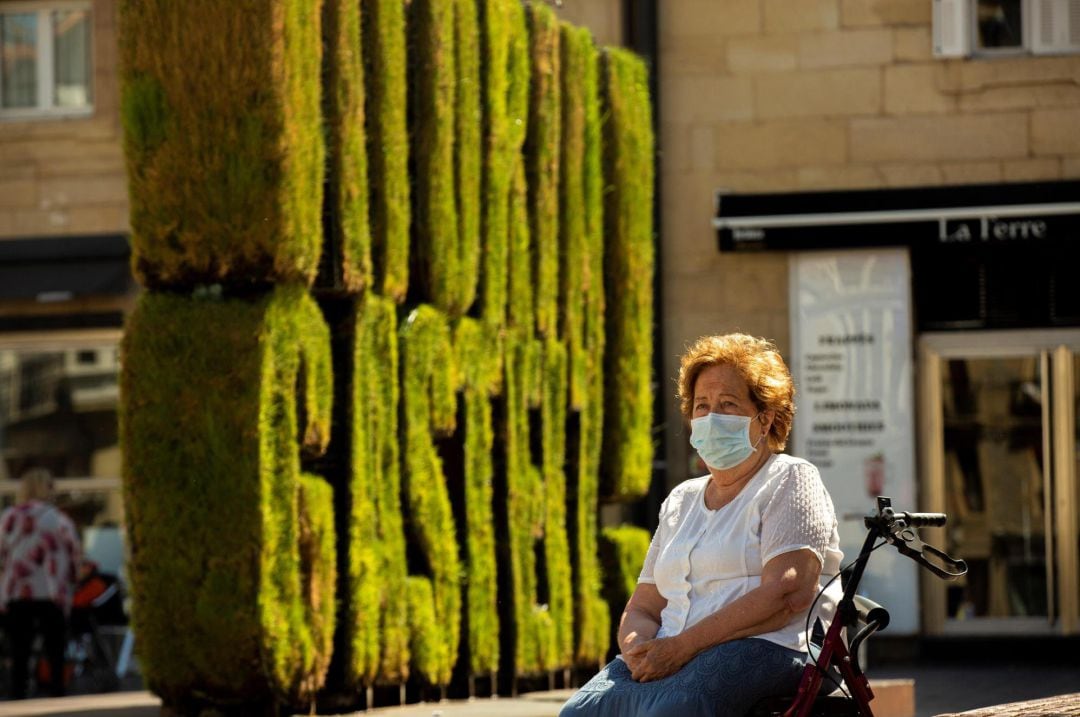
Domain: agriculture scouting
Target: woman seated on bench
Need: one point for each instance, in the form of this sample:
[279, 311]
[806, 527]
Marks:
[716, 622]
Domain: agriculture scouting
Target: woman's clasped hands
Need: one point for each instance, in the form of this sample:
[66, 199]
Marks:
[656, 659]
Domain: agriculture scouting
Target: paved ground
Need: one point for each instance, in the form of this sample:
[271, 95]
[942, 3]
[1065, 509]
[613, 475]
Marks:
[942, 689]
[939, 689]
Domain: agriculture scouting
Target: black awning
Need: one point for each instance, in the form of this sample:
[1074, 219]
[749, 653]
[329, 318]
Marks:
[1029, 212]
[64, 268]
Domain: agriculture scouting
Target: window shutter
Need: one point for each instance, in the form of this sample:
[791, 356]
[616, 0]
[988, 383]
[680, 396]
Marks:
[1055, 26]
[952, 28]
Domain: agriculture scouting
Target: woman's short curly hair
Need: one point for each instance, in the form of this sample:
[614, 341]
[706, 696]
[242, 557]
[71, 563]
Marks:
[758, 362]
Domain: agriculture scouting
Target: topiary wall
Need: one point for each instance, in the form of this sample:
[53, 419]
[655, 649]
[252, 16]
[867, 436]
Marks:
[482, 264]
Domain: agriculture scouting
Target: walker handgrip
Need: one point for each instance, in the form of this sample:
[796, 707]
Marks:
[945, 567]
[920, 520]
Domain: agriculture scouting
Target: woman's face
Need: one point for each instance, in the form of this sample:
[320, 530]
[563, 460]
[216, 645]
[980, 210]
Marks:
[720, 389]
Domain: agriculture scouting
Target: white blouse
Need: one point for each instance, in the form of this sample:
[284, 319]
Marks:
[701, 560]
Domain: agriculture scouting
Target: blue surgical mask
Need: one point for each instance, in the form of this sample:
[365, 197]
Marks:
[721, 440]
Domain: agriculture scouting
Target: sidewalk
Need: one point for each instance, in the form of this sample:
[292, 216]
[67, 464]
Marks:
[144, 704]
[939, 689]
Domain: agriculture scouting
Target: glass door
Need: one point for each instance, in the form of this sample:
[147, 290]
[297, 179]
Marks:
[998, 430]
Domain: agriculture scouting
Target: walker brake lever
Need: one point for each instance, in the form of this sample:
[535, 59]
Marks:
[908, 543]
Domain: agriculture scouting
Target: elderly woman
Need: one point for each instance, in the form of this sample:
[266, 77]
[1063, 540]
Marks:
[717, 620]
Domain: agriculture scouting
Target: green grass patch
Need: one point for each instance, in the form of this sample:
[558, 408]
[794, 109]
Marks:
[542, 162]
[230, 575]
[343, 102]
[384, 52]
[429, 407]
[220, 104]
[628, 272]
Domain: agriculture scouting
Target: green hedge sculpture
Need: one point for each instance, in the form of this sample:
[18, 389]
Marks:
[388, 143]
[542, 163]
[624, 548]
[499, 153]
[231, 568]
[495, 237]
[535, 644]
[556, 544]
[347, 155]
[479, 370]
[580, 69]
[429, 407]
[377, 618]
[220, 105]
[318, 574]
[433, 86]
[468, 123]
[628, 272]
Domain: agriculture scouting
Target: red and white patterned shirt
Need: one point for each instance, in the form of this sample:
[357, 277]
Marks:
[39, 554]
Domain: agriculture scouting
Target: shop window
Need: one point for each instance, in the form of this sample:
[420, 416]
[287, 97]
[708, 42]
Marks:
[45, 59]
[990, 28]
[58, 411]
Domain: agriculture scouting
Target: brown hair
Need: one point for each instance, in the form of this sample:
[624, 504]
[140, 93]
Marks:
[758, 362]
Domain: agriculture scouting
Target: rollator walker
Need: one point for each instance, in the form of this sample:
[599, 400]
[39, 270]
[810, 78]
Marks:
[861, 618]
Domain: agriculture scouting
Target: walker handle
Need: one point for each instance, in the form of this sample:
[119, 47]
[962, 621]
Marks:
[920, 520]
[899, 528]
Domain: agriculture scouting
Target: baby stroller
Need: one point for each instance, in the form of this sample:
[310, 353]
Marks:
[97, 614]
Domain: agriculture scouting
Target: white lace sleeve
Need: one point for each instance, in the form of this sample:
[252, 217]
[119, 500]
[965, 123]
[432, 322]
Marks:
[799, 515]
[646, 575]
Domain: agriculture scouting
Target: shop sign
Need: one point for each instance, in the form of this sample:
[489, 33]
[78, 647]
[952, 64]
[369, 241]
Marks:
[992, 229]
[852, 363]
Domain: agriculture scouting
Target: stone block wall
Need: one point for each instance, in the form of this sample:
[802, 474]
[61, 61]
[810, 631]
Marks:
[65, 176]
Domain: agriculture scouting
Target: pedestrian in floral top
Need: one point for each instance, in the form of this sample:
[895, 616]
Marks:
[39, 555]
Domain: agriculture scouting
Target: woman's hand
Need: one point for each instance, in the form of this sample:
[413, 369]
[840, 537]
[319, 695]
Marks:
[632, 640]
[656, 659]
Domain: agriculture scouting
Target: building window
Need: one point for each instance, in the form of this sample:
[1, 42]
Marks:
[45, 59]
[999, 26]
[990, 28]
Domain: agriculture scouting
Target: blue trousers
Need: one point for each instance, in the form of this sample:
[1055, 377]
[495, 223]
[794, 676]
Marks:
[723, 681]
